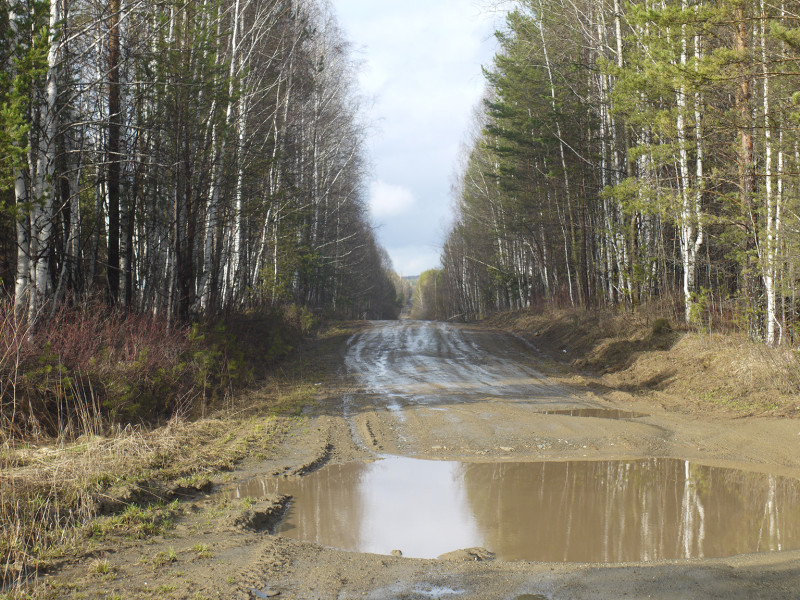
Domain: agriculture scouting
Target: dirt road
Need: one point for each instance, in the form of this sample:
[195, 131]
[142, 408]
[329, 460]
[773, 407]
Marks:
[468, 394]
[438, 390]
[485, 402]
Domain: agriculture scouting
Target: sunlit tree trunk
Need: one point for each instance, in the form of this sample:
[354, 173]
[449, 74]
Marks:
[43, 189]
[745, 155]
[772, 200]
[691, 230]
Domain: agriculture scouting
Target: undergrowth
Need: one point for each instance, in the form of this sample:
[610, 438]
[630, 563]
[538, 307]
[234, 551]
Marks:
[87, 367]
[103, 421]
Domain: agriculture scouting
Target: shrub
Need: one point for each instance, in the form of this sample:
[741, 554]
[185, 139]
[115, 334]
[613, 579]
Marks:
[88, 366]
[661, 326]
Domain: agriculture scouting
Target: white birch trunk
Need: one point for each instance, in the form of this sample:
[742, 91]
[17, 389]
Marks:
[42, 213]
[22, 284]
[220, 153]
[769, 259]
[238, 246]
[691, 231]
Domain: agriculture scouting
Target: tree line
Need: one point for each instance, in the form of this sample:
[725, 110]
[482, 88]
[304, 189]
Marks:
[636, 152]
[184, 157]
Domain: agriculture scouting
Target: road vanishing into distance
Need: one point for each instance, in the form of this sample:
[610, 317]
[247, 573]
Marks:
[432, 389]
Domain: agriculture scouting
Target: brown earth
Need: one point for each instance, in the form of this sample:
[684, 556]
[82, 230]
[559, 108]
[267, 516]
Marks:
[475, 393]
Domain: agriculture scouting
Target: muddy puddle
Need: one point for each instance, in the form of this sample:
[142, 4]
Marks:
[579, 511]
[596, 413]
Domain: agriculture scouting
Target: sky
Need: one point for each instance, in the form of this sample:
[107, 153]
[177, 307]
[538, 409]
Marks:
[422, 79]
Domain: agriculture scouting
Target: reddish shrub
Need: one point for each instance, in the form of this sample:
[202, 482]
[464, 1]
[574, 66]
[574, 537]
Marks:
[89, 362]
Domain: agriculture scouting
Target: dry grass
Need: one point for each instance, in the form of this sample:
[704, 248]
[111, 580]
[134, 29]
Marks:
[58, 494]
[48, 491]
[51, 495]
[644, 353]
[735, 373]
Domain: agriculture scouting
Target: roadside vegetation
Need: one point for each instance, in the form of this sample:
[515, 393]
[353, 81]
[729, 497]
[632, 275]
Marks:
[651, 356]
[107, 421]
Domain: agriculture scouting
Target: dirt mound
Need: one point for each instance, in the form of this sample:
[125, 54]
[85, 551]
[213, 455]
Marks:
[645, 355]
[468, 554]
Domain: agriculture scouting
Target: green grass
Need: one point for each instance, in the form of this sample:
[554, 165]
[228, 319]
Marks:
[137, 522]
[165, 557]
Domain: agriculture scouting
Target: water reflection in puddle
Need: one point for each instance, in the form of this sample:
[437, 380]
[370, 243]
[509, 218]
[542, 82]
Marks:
[580, 511]
[597, 413]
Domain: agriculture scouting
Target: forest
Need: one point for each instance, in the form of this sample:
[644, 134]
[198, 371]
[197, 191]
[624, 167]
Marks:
[635, 153]
[184, 158]
[183, 196]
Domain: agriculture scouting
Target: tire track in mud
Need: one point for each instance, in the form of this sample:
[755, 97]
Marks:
[328, 439]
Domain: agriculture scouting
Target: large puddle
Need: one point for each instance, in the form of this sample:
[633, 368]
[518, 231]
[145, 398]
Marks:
[580, 511]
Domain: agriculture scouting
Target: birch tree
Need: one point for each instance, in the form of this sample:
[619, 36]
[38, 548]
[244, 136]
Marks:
[185, 157]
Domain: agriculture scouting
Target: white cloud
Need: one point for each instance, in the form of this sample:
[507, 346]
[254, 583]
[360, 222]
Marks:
[386, 200]
[413, 260]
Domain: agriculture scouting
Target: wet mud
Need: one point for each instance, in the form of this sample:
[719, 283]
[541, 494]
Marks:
[539, 473]
[595, 413]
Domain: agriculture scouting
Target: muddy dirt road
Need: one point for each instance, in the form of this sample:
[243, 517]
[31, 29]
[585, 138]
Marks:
[474, 442]
[453, 391]
[469, 395]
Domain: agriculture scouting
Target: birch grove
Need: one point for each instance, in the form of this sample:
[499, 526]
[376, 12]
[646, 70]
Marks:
[636, 153]
[184, 158]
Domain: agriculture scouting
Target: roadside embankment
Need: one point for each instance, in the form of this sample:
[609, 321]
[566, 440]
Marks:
[647, 357]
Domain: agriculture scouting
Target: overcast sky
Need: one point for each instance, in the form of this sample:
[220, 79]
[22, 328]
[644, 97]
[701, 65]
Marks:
[422, 69]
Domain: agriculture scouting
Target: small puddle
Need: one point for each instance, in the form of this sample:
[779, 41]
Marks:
[578, 511]
[597, 413]
[438, 592]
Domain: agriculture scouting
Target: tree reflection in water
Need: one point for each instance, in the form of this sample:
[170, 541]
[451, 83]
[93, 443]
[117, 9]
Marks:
[577, 511]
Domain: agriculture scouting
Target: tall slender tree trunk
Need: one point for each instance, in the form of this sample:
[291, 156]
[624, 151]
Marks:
[772, 200]
[44, 191]
[745, 160]
[691, 231]
[113, 155]
[22, 225]
[562, 153]
[231, 261]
